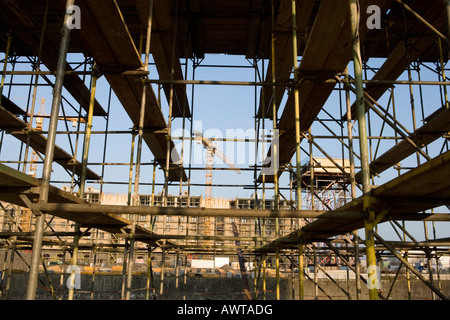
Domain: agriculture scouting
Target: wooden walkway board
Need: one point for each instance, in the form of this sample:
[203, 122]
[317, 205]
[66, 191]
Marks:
[325, 59]
[106, 37]
[11, 106]
[431, 180]
[14, 183]
[399, 58]
[429, 132]
[16, 14]
[283, 52]
[312, 95]
[161, 48]
[38, 142]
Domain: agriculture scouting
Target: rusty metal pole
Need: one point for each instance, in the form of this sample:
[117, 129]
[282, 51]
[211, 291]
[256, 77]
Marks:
[246, 288]
[49, 152]
[143, 105]
[169, 134]
[87, 143]
[36, 80]
[353, 184]
[171, 101]
[301, 277]
[365, 169]
[139, 152]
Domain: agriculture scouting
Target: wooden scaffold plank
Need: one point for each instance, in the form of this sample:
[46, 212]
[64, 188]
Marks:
[108, 40]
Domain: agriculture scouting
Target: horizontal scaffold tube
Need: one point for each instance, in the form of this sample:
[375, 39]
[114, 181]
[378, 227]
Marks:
[54, 208]
[176, 211]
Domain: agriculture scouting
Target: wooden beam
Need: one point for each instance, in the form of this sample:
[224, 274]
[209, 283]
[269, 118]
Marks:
[14, 14]
[14, 183]
[283, 51]
[323, 58]
[431, 180]
[434, 129]
[161, 48]
[400, 58]
[38, 142]
[105, 45]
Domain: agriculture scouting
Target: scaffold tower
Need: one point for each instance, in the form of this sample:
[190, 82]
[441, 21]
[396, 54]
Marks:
[335, 114]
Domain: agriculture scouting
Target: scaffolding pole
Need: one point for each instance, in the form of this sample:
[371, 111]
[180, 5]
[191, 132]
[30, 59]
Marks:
[49, 152]
[136, 201]
[365, 168]
[282, 240]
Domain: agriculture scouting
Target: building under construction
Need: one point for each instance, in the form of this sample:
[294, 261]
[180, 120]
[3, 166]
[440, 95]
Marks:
[322, 147]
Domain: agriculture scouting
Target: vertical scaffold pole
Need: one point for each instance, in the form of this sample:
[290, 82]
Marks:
[447, 10]
[5, 64]
[88, 133]
[169, 136]
[301, 277]
[49, 152]
[171, 101]
[277, 266]
[275, 151]
[87, 143]
[2, 81]
[274, 116]
[353, 184]
[297, 139]
[264, 262]
[444, 78]
[139, 152]
[124, 269]
[35, 87]
[150, 284]
[316, 286]
[365, 169]
[263, 110]
[297, 101]
[143, 105]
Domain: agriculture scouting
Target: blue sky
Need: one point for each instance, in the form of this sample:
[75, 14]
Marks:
[218, 110]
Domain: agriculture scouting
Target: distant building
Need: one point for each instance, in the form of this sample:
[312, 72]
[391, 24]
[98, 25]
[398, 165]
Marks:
[167, 225]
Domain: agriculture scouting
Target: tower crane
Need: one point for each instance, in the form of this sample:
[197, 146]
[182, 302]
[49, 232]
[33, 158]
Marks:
[211, 151]
[39, 121]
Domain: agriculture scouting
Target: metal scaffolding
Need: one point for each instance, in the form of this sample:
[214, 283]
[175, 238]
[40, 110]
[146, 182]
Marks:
[365, 103]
